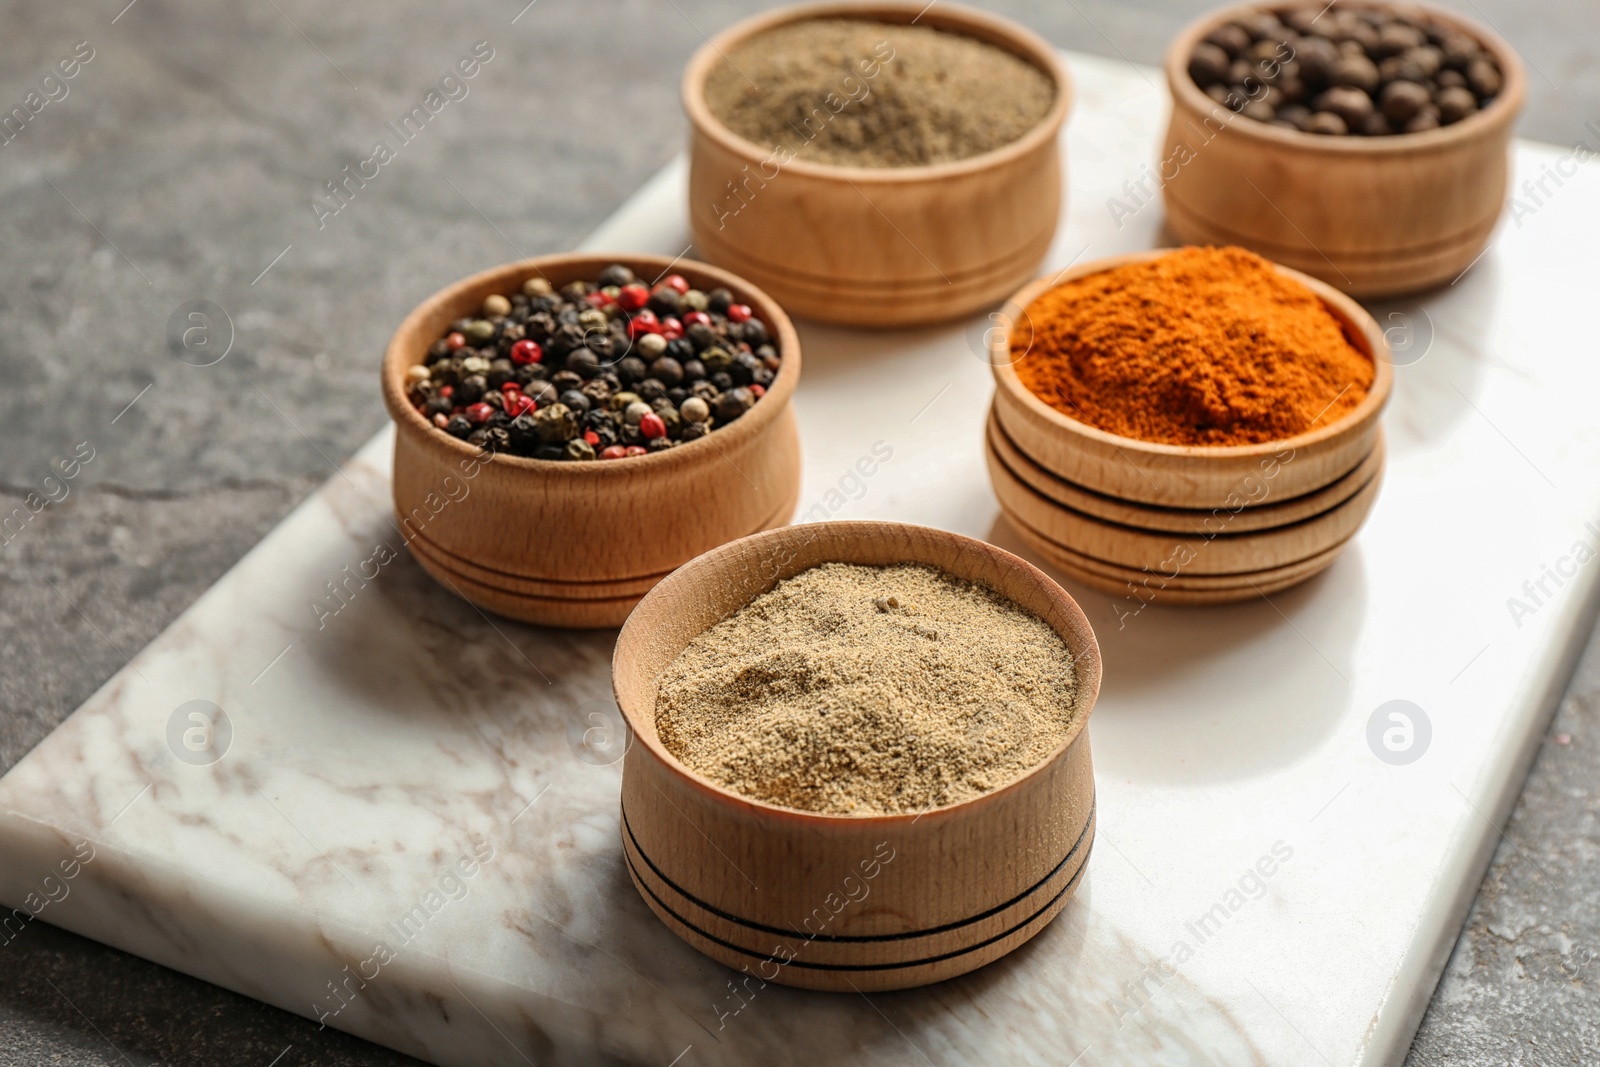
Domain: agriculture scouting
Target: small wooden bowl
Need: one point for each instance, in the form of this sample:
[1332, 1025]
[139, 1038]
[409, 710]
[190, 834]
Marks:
[877, 246]
[1269, 514]
[1375, 216]
[847, 902]
[1186, 476]
[1225, 552]
[577, 544]
[1173, 586]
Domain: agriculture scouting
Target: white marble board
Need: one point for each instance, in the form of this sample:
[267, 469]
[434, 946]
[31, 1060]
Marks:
[407, 738]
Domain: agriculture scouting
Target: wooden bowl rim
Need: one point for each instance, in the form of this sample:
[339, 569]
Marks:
[954, 18]
[1087, 665]
[1340, 304]
[571, 265]
[1501, 111]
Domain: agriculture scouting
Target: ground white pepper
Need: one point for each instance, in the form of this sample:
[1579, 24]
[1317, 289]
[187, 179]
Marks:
[859, 93]
[855, 690]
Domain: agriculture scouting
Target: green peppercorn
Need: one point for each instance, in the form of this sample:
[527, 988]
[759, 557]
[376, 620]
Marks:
[537, 286]
[578, 448]
[555, 424]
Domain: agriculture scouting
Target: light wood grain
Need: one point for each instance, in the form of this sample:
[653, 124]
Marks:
[1219, 550]
[739, 879]
[588, 522]
[1172, 586]
[1270, 513]
[877, 246]
[1375, 216]
[569, 605]
[1177, 475]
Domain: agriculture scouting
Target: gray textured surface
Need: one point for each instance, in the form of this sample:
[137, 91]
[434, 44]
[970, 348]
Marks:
[184, 159]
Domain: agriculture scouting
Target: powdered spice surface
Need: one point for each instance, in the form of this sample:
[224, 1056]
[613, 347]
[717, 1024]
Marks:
[858, 93]
[855, 690]
[1203, 346]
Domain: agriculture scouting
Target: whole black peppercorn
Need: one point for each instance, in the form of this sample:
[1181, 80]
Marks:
[680, 349]
[733, 403]
[600, 345]
[744, 367]
[616, 274]
[539, 326]
[551, 450]
[693, 370]
[501, 371]
[565, 379]
[523, 435]
[438, 405]
[701, 336]
[692, 431]
[598, 390]
[630, 369]
[651, 389]
[722, 380]
[678, 395]
[764, 377]
[575, 400]
[665, 301]
[471, 389]
[583, 363]
[542, 393]
[458, 427]
[753, 332]
[704, 390]
[659, 444]
[718, 301]
[667, 370]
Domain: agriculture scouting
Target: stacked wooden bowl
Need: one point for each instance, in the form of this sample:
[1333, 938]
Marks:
[1183, 524]
[577, 544]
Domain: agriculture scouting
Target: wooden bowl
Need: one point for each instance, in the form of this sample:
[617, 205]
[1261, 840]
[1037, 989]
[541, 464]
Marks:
[1187, 476]
[575, 544]
[1172, 586]
[1375, 216]
[1267, 514]
[847, 902]
[877, 246]
[1225, 551]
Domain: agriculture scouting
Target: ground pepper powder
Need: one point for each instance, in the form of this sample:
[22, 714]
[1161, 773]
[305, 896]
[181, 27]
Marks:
[1203, 346]
[856, 690]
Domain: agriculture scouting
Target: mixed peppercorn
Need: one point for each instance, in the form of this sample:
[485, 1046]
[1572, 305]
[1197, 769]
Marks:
[1329, 69]
[602, 370]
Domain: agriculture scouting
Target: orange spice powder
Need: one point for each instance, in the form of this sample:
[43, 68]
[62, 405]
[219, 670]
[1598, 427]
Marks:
[1203, 346]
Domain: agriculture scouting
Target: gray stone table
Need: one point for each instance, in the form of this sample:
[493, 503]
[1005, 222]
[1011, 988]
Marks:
[182, 164]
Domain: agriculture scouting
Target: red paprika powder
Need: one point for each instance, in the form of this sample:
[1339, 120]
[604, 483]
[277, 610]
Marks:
[1203, 346]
